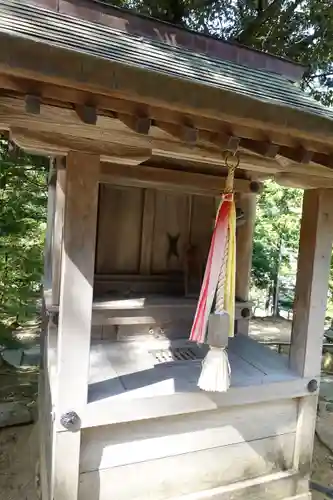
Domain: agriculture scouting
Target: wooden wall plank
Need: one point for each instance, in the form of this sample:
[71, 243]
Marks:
[315, 250]
[148, 217]
[202, 219]
[119, 229]
[169, 477]
[75, 312]
[170, 232]
[123, 444]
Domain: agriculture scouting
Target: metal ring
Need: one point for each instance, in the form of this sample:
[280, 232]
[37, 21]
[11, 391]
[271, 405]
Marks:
[228, 157]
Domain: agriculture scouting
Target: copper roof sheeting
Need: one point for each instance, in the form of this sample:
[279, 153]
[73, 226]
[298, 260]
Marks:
[19, 19]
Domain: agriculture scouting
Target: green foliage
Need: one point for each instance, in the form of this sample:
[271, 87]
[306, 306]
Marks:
[276, 232]
[275, 244]
[23, 213]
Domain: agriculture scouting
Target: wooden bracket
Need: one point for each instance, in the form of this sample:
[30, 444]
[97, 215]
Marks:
[86, 113]
[224, 141]
[185, 131]
[263, 148]
[32, 104]
[323, 159]
[140, 124]
[298, 154]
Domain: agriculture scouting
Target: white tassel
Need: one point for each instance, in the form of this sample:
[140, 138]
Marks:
[215, 372]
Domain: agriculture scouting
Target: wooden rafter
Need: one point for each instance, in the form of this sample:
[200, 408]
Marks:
[37, 126]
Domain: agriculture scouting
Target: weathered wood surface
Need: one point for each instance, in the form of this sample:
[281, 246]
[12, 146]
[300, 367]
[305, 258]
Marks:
[170, 233]
[312, 282]
[165, 478]
[244, 244]
[309, 311]
[119, 230]
[148, 219]
[180, 181]
[136, 442]
[123, 381]
[74, 327]
[149, 232]
[49, 232]
[58, 229]
[127, 21]
[92, 74]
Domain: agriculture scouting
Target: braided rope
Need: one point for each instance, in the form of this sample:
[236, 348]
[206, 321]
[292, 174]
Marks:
[220, 292]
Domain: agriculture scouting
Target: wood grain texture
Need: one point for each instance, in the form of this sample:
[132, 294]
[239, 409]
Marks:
[169, 179]
[148, 217]
[108, 410]
[314, 259]
[60, 144]
[75, 313]
[113, 446]
[315, 250]
[244, 244]
[58, 232]
[63, 67]
[47, 278]
[119, 230]
[277, 486]
[171, 221]
[167, 477]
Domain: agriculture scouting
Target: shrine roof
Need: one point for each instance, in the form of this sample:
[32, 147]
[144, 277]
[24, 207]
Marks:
[55, 29]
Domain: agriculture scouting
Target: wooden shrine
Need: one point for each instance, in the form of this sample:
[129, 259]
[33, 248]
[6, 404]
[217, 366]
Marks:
[138, 119]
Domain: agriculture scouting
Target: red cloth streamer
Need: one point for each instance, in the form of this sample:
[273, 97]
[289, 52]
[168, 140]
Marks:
[212, 271]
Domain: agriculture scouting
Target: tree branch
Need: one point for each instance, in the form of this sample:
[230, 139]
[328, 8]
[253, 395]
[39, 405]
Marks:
[320, 75]
[258, 21]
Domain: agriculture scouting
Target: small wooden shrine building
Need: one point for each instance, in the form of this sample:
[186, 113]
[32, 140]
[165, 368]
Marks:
[139, 119]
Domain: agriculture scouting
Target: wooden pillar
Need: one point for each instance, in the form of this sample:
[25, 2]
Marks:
[244, 246]
[58, 228]
[49, 227]
[315, 251]
[75, 311]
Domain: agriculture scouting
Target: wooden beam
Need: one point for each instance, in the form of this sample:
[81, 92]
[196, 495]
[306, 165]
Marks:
[75, 313]
[263, 148]
[60, 145]
[303, 181]
[174, 180]
[45, 134]
[315, 250]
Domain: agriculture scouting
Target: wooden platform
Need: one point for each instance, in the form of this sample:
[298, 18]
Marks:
[133, 370]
